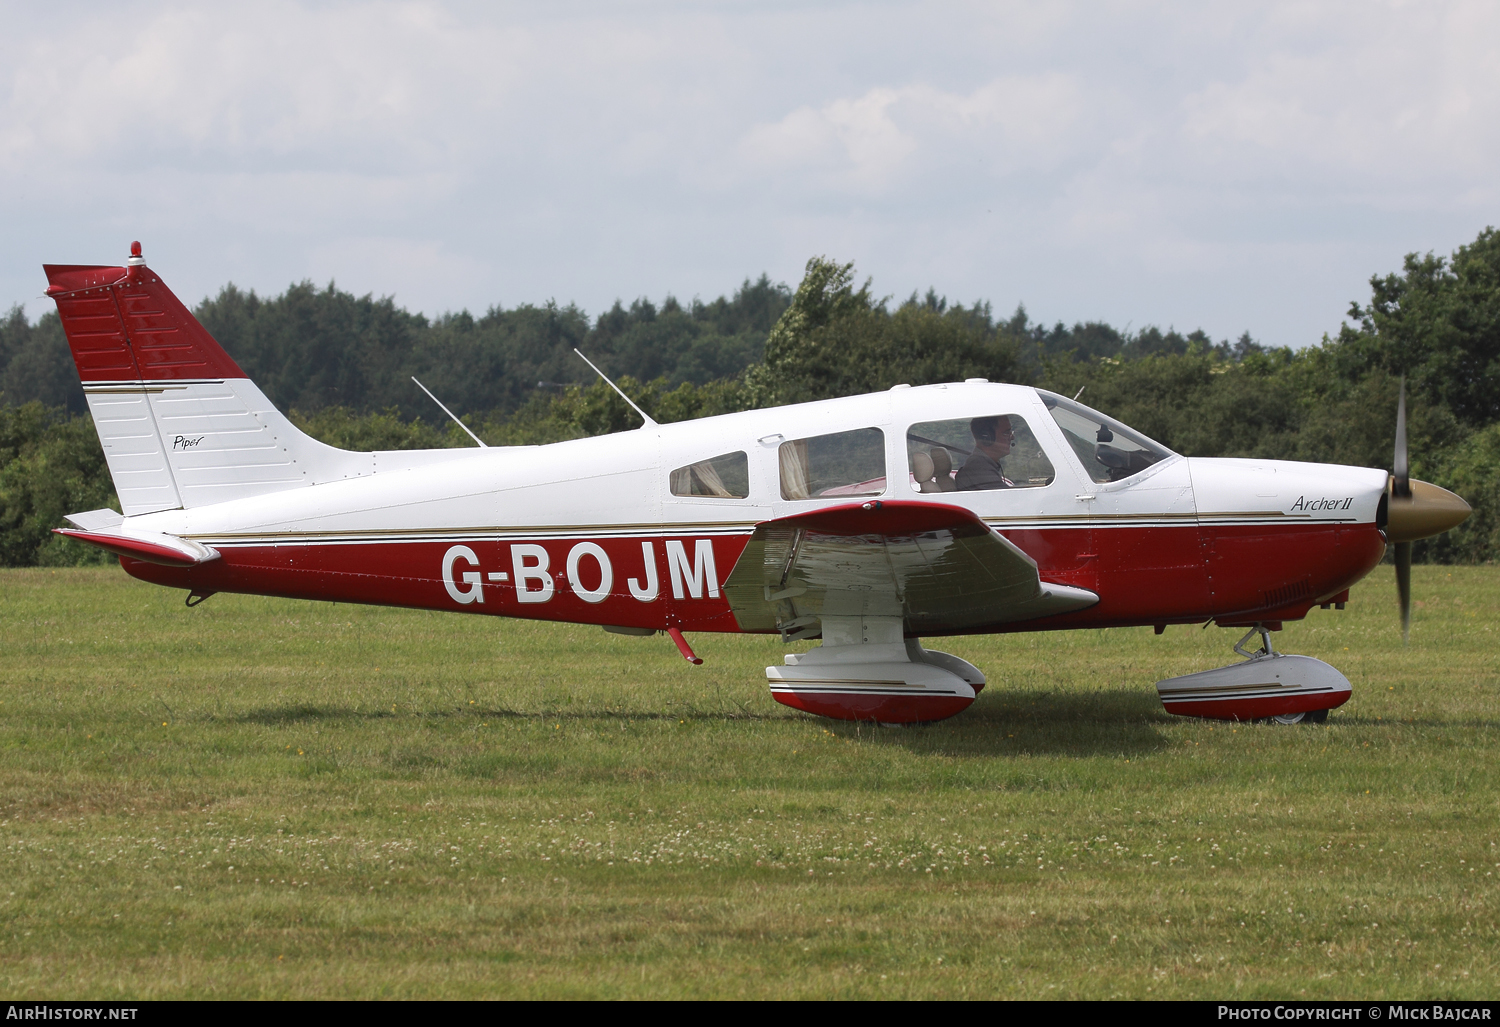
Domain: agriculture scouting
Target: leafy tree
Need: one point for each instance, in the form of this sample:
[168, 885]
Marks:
[835, 340]
[1471, 469]
[383, 430]
[50, 465]
[341, 364]
[1193, 403]
[698, 344]
[596, 409]
[35, 364]
[311, 349]
[1437, 323]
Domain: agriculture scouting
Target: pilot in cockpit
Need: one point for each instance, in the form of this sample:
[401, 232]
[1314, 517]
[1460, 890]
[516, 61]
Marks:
[992, 441]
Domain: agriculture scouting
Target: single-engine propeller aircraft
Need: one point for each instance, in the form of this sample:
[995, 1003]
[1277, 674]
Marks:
[870, 522]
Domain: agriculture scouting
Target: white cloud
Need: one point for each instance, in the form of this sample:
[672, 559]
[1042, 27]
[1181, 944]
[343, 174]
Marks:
[1409, 95]
[881, 139]
[1139, 162]
[267, 83]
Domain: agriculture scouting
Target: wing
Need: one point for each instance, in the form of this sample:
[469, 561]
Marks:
[938, 567]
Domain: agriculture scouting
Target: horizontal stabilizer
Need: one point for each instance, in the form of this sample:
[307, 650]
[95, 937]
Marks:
[166, 550]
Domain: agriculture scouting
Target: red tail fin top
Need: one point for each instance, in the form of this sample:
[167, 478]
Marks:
[124, 324]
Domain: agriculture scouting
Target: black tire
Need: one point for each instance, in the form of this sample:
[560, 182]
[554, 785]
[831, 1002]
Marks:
[1309, 717]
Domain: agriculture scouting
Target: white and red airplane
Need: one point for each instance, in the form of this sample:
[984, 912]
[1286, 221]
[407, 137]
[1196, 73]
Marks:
[871, 521]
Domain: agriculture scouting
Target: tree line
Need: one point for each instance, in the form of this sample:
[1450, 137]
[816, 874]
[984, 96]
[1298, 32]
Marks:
[340, 365]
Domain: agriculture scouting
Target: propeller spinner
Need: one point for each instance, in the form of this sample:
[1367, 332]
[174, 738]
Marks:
[1416, 510]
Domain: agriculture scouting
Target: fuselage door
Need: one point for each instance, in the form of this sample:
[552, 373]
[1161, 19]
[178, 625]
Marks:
[1007, 463]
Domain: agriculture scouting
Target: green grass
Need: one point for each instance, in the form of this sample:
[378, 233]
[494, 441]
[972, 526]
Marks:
[265, 798]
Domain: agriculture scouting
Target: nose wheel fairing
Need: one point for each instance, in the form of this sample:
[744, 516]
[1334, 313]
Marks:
[1267, 684]
[1272, 686]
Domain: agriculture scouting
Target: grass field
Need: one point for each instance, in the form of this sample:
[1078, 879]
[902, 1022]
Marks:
[265, 798]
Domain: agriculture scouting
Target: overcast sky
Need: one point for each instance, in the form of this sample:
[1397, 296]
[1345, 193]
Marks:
[1230, 166]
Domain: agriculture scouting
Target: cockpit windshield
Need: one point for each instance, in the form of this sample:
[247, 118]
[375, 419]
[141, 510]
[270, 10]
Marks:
[1108, 450]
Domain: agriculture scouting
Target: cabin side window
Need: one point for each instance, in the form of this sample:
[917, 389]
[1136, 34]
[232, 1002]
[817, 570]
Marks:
[1108, 450]
[976, 454]
[846, 463]
[720, 477]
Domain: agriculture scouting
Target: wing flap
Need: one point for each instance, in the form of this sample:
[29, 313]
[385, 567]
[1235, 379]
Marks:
[940, 568]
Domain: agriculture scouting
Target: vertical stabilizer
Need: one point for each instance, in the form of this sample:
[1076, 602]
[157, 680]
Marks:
[180, 423]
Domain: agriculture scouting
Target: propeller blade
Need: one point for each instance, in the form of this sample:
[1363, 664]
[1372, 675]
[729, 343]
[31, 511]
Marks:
[1403, 588]
[1401, 470]
[1401, 497]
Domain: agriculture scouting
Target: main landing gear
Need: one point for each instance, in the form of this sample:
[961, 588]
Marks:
[866, 670]
[1268, 686]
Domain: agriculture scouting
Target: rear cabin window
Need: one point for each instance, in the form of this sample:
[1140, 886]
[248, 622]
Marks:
[847, 463]
[976, 454]
[719, 477]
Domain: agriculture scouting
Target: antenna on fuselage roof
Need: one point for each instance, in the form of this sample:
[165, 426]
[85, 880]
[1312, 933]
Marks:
[1079, 392]
[650, 423]
[456, 421]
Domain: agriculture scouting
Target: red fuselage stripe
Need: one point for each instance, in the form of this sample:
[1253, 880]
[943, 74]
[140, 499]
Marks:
[1179, 573]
